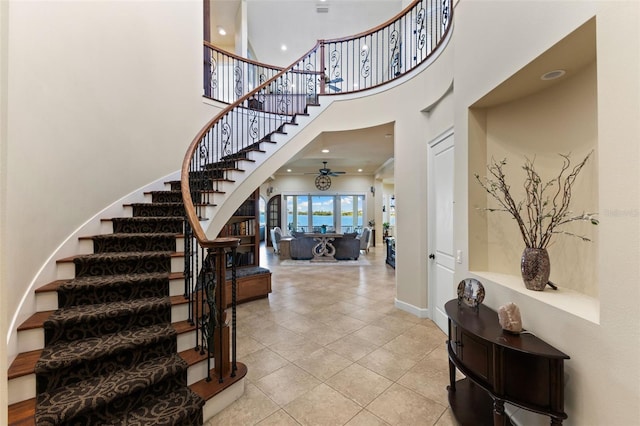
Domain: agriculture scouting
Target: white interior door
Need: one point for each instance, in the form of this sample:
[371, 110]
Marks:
[440, 198]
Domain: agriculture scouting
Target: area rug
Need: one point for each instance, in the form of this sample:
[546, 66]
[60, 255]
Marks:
[360, 262]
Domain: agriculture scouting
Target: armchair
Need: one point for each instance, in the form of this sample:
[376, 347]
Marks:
[276, 236]
[365, 239]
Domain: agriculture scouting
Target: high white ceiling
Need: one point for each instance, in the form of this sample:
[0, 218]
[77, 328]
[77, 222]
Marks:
[298, 25]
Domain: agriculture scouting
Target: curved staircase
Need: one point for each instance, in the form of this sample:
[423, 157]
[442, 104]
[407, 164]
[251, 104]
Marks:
[112, 341]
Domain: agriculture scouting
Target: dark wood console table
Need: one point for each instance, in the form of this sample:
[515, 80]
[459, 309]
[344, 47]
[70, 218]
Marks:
[500, 367]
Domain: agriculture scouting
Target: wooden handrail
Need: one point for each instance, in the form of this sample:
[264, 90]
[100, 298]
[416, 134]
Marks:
[190, 212]
[447, 12]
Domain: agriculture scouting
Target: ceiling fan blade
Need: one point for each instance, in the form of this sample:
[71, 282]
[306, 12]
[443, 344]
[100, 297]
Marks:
[336, 80]
[334, 88]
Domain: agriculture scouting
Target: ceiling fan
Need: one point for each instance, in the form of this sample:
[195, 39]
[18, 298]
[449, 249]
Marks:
[324, 171]
[323, 181]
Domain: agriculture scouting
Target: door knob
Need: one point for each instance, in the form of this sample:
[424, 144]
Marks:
[432, 256]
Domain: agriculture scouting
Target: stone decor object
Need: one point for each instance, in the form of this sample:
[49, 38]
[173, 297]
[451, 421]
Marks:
[509, 318]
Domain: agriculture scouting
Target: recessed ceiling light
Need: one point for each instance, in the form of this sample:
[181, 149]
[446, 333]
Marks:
[222, 31]
[325, 150]
[355, 85]
[283, 47]
[365, 47]
[288, 170]
[360, 170]
[552, 75]
[388, 135]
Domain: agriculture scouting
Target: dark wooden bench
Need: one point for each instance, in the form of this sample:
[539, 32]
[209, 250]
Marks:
[253, 282]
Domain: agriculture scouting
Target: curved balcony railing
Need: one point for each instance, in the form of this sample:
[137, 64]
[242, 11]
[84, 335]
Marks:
[349, 64]
[262, 100]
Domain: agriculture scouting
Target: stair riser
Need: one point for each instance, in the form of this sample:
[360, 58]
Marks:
[48, 301]
[67, 270]
[86, 245]
[146, 225]
[30, 340]
[123, 265]
[197, 372]
[21, 388]
[187, 341]
[154, 210]
[163, 197]
[222, 400]
[179, 312]
[134, 244]
[82, 326]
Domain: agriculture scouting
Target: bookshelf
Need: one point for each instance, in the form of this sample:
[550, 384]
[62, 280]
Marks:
[253, 281]
[245, 225]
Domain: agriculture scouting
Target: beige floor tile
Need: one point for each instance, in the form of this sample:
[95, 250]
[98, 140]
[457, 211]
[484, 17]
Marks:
[262, 363]
[295, 349]
[377, 335]
[393, 324]
[365, 314]
[359, 384]
[447, 419]
[279, 418]
[323, 363]
[323, 335]
[429, 380]
[408, 348]
[352, 347]
[387, 363]
[249, 409]
[286, 384]
[345, 323]
[322, 406]
[401, 406]
[247, 345]
[274, 334]
[365, 418]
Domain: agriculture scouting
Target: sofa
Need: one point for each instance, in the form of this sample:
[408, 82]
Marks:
[301, 247]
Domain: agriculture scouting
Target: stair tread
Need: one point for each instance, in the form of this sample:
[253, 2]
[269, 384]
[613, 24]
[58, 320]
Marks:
[209, 389]
[97, 347]
[24, 364]
[183, 326]
[104, 311]
[22, 413]
[107, 388]
[155, 203]
[193, 356]
[116, 255]
[35, 321]
[102, 279]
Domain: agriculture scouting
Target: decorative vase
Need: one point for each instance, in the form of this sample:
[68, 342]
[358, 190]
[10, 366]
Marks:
[535, 268]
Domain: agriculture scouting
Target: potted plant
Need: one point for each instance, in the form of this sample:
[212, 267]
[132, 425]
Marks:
[540, 215]
[385, 229]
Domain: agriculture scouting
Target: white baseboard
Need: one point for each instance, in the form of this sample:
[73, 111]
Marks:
[419, 312]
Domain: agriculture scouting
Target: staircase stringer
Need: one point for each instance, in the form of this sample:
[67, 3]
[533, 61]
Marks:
[272, 156]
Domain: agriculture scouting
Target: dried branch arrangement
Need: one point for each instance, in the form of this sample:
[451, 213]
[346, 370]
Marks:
[545, 207]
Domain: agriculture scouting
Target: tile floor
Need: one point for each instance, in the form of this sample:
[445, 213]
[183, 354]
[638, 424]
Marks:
[328, 347]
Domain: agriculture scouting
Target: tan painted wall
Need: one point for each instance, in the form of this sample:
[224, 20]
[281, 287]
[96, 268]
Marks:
[103, 97]
[604, 370]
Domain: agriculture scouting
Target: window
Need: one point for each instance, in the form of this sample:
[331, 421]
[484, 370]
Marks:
[340, 213]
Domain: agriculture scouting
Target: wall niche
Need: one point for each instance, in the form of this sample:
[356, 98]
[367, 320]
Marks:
[529, 117]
